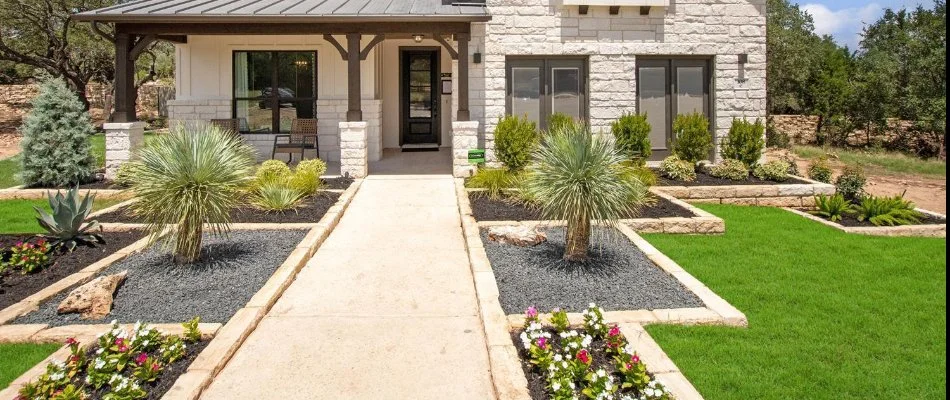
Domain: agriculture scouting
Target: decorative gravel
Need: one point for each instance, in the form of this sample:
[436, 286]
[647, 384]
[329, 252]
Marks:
[618, 276]
[157, 290]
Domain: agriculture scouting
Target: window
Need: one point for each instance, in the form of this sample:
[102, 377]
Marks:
[667, 88]
[272, 88]
[539, 87]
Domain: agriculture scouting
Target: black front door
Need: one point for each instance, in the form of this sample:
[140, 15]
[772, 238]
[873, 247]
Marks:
[419, 97]
[667, 88]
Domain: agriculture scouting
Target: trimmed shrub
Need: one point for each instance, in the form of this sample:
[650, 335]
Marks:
[692, 141]
[515, 140]
[820, 169]
[632, 137]
[889, 211]
[306, 177]
[493, 180]
[730, 169]
[643, 174]
[745, 142]
[850, 183]
[775, 170]
[677, 169]
[559, 121]
[56, 148]
[832, 208]
[272, 171]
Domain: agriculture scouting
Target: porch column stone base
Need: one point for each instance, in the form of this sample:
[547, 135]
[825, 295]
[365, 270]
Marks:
[122, 138]
[354, 156]
[464, 138]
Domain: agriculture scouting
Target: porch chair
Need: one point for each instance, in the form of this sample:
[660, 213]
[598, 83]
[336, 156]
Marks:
[302, 137]
[232, 125]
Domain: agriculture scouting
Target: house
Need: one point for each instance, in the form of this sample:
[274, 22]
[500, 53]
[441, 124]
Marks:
[417, 74]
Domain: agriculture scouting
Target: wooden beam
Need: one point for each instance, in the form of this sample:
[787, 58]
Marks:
[463, 113]
[124, 79]
[336, 44]
[438, 38]
[375, 28]
[140, 45]
[376, 40]
[354, 89]
[98, 29]
[178, 39]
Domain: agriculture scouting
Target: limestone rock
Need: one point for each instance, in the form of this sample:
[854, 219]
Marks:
[523, 236]
[94, 299]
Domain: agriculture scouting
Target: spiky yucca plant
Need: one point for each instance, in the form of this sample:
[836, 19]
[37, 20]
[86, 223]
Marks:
[190, 178]
[494, 180]
[582, 178]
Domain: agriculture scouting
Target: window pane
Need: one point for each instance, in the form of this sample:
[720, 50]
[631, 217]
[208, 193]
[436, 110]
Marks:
[526, 92]
[256, 115]
[566, 96]
[652, 90]
[290, 110]
[253, 73]
[689, 90]
[296, 74]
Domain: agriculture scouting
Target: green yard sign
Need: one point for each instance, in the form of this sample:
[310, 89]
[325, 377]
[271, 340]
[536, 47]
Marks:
[476, 156]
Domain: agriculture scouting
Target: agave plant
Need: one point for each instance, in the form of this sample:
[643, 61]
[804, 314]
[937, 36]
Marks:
[832, 208]
[888, 211]
[582, 178]
[67, 226]
[187, 179]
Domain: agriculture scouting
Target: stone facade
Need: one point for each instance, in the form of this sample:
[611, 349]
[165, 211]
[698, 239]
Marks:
[777, 195]
[354, 161]
[122, 139]
[464, 138]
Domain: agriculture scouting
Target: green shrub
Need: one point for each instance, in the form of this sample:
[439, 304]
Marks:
[832, 208]
[272, 171]
[890, 211]
[306, 177]
[68, 225]
[559, 121]
[643, 174]
[191, 178]
[792, 165]
[820, 169]
[56, 148]
[692, 140]
[276, 196]
[775, 137]
[493, 180]
[578, 177]
[850, 183]
[730, 169]
[515, 139]
[632, 136]
[677, 169]
[745, 142]
[775, 170]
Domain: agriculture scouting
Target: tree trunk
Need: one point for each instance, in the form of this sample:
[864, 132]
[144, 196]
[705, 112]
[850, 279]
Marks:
[578, 240]
[188, 243]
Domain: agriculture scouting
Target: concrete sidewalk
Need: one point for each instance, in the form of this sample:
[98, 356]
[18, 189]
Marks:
[386, 309]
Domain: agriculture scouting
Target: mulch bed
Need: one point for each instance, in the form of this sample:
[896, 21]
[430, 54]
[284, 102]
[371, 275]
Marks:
[309, 211]
[510, 209]
[15, 286]
[98, 184]
[703, 179]
[165, 381]
[850, 220]
[341, 183]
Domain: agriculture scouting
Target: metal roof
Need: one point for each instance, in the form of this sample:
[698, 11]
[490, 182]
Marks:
[170, 11]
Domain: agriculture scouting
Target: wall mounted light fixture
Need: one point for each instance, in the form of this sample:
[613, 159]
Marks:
[743, 58]
[417, 38]
[477, 56]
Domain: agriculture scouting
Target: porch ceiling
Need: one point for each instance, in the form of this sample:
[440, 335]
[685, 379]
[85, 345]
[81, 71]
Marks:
[271, 11]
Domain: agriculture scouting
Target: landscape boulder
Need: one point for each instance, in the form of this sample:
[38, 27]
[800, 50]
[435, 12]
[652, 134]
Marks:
[524, 236]
[93, 299]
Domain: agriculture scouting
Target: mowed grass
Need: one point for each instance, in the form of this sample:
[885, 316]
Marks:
[17, 358]
[887, 162]
[18, 216]
[831, 315]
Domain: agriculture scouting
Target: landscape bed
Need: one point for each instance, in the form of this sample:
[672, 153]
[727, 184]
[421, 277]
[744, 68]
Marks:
[230, 271]
[310, 210]
[794, 192]
[931, 224]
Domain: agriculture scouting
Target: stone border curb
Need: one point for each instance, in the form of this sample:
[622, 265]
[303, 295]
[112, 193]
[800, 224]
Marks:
[111, 226]
[934, 230]
[18, 193]
[777, 195]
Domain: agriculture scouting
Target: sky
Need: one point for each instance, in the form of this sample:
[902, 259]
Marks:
[844, 19]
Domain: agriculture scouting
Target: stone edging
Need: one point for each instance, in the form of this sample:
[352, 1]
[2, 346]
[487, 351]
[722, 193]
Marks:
[507, 376]
[778, 195]
[19, 192]
[933, 230]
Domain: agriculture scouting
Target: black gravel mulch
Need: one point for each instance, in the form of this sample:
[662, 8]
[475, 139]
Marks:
[156, 290]
[309, 211]
[341, 183]
[510, 209]
[851, 220]
[618, 276]
[15, 286]
[703, 179]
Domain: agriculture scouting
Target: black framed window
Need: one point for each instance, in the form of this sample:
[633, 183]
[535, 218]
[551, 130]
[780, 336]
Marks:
[540, 86]
[667, 87]
[272, 88]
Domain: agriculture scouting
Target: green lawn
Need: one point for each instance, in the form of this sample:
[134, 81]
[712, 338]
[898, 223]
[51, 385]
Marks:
[17, 358]
[887, 162]
[831, 315]
[18, 216]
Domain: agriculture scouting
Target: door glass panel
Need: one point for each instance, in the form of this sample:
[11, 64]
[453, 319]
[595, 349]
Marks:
[420, 87]
[652, 88]
[526, 92]
[257, 114]
[566, 91]
[689, 90]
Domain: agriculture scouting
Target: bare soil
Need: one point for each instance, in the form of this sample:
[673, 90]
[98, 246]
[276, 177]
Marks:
[9, 145]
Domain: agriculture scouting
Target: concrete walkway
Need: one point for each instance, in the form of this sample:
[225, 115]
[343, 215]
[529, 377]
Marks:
[386, 309]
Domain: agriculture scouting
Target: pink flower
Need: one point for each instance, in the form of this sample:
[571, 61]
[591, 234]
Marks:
[543, 343]
[155, 367]
[531, 312]
[119, 341]
[635, 359]
[141, 358]
[71, 341]
[19, 244]
[629, 366]
[614, 331]
[583, 356]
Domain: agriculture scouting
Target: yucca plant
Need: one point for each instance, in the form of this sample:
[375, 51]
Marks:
[890, 211]
[190, 178]
[276, 197]
[582, 178]
[832, 208]
[67, 226]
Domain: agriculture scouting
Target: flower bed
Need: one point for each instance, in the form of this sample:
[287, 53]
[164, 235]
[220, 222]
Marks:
[16, 286]
[931, 225]
[595, 362]
[309, 210]
[139, 364]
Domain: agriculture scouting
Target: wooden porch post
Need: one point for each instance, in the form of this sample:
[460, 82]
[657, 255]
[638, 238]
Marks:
[463, 114]
[354, 91]
[124, 79]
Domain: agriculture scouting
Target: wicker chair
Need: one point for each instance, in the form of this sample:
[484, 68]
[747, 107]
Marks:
[303, 136]
[232, 125]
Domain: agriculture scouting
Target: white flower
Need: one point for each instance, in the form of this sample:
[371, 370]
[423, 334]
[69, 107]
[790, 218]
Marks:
[564, 335]
[592, 305]
[558, 357]
[99, 363]
[573, 386]
[100, 350]
[564, 364]
[555, 386]
[601, 373]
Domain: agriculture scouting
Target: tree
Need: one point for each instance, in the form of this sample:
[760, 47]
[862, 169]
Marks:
[790, 44]
[828, 89]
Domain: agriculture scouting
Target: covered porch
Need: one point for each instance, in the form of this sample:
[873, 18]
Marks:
[380, 77]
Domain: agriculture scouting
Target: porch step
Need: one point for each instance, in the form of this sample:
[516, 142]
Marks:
[420, 147]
